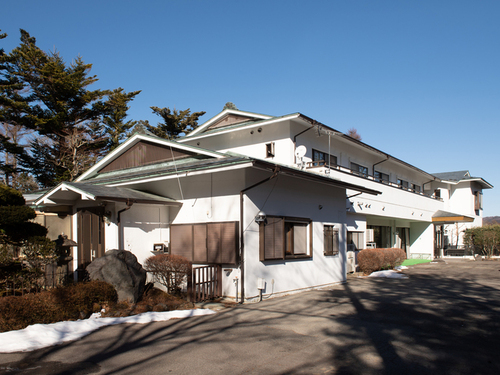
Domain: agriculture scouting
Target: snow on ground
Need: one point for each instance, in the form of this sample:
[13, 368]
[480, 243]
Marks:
[390, 274]
[39, 336]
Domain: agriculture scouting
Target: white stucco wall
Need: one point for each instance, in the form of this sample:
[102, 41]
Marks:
[142, 227]
[422, 239]
[283, 198]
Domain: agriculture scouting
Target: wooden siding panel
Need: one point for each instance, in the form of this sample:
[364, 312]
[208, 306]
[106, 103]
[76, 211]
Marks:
[230, 119]
[144, 153]
[214, 242]
[200, 243]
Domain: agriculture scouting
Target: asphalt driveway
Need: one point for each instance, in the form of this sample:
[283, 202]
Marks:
[443, 319]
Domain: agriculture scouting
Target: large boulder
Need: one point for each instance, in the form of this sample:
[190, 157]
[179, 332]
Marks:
[121, 269]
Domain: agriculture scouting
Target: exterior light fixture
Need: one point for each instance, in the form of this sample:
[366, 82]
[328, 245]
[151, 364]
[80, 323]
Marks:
[261, 217]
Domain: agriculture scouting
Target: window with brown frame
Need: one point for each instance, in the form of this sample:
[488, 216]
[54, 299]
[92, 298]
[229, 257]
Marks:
[360, 170]
[478, 200]
[285, 238]
[416, 188]
[403, 184]
[331, 240]
[381, 177]
[206, 243]
[321, 158]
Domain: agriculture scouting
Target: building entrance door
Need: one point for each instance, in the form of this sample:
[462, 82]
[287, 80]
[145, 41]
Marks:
[438, 241]
[90, 237]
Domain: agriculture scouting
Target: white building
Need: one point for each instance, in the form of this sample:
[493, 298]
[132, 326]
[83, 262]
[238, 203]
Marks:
[276, 202]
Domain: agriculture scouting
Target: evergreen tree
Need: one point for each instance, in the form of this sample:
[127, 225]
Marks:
[54, 100]
[114, 121]
[12, 121]
[174, 122]
[15, 218]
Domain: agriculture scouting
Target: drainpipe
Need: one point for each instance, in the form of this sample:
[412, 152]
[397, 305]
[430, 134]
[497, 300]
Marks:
[380, 162]
[295, 141]
[242, 242]
[120, 235]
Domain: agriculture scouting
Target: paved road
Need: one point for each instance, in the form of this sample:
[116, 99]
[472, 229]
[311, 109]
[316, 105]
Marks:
[443, 319]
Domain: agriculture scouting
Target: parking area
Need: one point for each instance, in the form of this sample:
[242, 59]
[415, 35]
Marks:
[443, 319]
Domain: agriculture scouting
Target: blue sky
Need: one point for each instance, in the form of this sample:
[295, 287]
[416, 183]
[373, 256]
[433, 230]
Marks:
[419, 80]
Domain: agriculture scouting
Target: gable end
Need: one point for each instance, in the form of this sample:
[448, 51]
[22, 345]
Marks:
[144, 153]
[230, 119]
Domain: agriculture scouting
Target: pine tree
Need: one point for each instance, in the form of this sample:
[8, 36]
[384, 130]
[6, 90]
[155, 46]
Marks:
[12, 119]
[114, 121]
[70, 120]
[16, 226]
[174, 122]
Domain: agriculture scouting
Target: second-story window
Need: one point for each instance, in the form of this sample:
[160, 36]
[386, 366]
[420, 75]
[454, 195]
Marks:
[359, 170]
[381, 177]
[322, 158]
[416, 188]
[478, 200]
[403, 184]
[270, 150]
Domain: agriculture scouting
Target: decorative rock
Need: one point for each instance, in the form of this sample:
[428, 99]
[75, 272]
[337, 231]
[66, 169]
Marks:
[121, 269]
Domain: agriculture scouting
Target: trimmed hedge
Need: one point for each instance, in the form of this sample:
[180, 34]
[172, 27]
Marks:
[64, 303]
[371, 260]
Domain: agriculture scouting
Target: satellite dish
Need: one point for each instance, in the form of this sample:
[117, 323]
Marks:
[300, 151]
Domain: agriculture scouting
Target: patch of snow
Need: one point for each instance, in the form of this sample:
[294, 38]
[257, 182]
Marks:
[390, 274]
[39, 336]
[399, 268]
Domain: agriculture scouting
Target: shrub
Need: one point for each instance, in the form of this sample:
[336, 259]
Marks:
[483, 240]
[63, 303]
[169, 270]
[371, 260]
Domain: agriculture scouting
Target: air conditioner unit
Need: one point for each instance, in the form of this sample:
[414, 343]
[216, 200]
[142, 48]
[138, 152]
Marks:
[351, 262]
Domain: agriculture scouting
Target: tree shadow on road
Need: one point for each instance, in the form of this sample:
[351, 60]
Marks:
[433, 322]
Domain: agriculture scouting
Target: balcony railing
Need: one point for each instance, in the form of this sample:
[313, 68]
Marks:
[321, 167]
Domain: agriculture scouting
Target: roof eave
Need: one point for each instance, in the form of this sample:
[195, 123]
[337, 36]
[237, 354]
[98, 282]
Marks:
[315, 177]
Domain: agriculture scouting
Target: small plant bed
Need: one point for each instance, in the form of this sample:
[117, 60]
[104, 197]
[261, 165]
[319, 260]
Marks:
[79, 301]
[72, 302]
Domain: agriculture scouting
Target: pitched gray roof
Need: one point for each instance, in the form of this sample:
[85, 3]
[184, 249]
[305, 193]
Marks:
[453, 176]
[458, 176]
[99, 192]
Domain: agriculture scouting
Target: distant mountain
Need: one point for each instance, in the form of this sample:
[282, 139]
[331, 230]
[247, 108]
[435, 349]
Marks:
[491, 220]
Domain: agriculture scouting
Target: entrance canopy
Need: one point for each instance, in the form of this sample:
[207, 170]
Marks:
[444, 217]
[67, 193]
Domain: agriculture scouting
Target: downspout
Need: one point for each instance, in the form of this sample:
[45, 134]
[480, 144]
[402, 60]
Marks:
[295, 141]
[242, 242]
[380, 162]
[120, 235]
